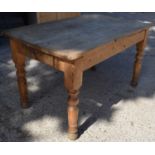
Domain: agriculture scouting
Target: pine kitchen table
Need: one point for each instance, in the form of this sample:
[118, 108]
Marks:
[73, 46]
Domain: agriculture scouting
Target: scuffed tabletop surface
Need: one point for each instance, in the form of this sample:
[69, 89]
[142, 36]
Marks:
[75, 36]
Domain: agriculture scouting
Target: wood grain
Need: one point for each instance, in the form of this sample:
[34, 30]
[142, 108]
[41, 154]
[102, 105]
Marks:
[106, 51]
[19, 61]
[72, 38]
[72, 47]
[73, 82]
[138, 60]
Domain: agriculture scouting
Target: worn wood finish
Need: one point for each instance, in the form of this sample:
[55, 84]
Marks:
[19, 61]
[71, 39]
[138, 59]
[105, 51]
[73, 81]
[72, 47]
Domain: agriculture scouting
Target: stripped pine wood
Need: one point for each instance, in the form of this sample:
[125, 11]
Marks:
[90, 33]
[19, 60]
[138, 59]
[108, 50]
[73, 46]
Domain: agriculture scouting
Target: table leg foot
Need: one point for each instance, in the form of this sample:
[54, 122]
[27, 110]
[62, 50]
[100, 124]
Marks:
[25, 105]
[73, 111]
[72, 136]
[134, 83]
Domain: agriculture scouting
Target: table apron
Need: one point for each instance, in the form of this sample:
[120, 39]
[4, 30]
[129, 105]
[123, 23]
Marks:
[36, 54]
[108, 50]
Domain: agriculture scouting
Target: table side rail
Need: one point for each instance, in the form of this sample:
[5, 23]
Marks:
[108, 50]
[38, 55]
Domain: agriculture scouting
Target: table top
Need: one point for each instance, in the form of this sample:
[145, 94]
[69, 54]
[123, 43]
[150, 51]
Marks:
[71, 38]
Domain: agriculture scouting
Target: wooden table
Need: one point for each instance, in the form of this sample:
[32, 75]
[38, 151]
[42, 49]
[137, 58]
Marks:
[73, 46]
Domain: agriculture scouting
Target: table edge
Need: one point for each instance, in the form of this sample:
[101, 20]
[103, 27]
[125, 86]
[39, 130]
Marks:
[55, 53]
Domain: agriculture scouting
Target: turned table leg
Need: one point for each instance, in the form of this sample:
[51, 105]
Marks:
[73, 82]
[19, 61]
[138, 61]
